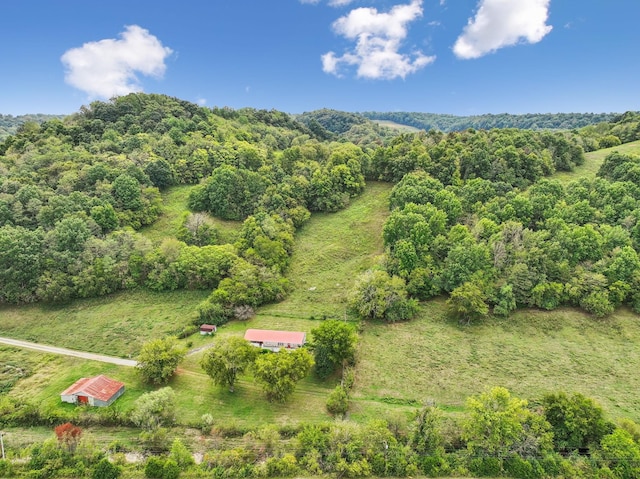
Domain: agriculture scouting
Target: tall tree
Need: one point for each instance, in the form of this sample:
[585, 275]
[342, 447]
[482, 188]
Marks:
[279, 372]
[333, 344]
[159, 359]
[227, 359]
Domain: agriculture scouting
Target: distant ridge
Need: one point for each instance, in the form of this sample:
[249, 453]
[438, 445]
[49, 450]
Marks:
[529, 121]
[9, 124]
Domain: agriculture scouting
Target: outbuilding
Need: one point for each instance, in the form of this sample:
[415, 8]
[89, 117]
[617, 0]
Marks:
[275, 340]
[96, 391]
[208, 329]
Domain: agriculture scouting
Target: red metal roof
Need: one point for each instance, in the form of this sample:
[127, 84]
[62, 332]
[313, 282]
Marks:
[208, 327]
[99, 387]
[267, 335]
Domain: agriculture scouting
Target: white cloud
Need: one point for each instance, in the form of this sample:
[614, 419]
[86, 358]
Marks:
[202, 101]
[108, 68]
[378, 37]
[501, 23]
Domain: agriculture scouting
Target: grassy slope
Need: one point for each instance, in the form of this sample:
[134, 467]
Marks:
[397, 126]
[174, 202]
[434, 359]
[331, 249]
[593, 160]
[116, 325]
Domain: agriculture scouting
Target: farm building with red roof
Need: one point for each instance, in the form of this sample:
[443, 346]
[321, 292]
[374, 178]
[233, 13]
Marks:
[275, 340]
[96, 391]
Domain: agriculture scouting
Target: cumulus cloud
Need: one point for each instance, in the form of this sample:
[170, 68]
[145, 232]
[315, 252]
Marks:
[378, 37]
[109, 67]
[500, 23]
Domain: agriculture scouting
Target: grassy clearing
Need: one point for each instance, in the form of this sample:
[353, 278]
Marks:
[330, 251]
[433, 358]
[593, 160]
[174, 202]
[397, 126]
[116, 325]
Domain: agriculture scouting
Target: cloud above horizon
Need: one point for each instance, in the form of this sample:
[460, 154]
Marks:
[110, 67]
[378, 39]
[502, 23]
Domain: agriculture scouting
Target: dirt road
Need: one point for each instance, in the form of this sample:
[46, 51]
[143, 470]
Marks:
[67, 352]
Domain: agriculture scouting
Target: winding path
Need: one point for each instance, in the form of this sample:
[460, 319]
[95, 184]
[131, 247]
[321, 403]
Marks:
[67, 352]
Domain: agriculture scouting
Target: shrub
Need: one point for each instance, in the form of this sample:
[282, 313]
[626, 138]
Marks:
[170, 470]
[210, 312]
[338, 402]
[105, 470]
[285, 466]
[486, 466]
[154, 467]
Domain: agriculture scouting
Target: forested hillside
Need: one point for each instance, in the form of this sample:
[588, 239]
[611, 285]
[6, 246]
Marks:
[530, 121]
[9, 124]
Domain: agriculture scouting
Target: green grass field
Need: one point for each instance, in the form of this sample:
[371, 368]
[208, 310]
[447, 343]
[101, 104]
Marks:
[116, 325]
[593, 160]
[434, 359]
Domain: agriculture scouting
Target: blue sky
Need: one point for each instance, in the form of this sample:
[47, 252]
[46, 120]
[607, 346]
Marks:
[444, 56]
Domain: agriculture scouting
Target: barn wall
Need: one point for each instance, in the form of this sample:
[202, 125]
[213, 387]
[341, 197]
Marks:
[70, 398]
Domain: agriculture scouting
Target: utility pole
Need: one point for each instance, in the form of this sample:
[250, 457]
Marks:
[2, 443]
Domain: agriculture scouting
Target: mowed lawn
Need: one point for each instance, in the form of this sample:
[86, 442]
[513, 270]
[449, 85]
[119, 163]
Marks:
[593, 160]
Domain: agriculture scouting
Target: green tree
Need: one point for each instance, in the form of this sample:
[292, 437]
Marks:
[105, 216]
[159, 359]
[230, 357]
[505, 301]
[159, 172]
[377, 295]
[154, 409]
[621, 453]
[577, 421]
[279, 372]
[180, 454]
[333, 344]
[468, 302]
[500, 424]
[21, 258]
[426, 437]
[338, 401]
[126, 191]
